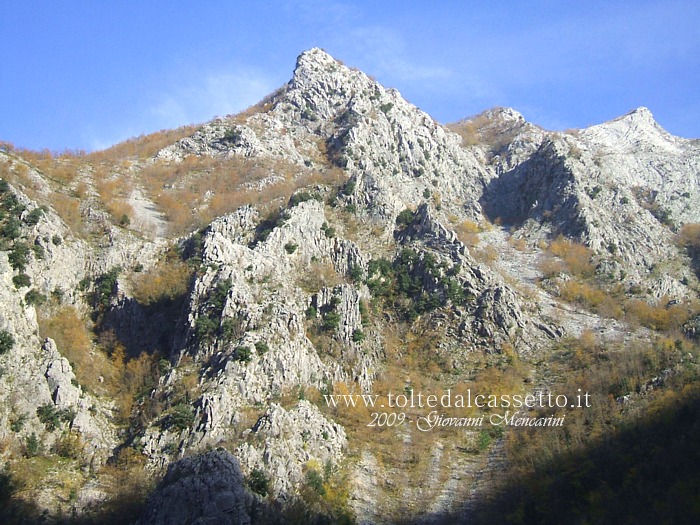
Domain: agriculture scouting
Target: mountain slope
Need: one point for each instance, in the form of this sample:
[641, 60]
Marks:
[212, 286]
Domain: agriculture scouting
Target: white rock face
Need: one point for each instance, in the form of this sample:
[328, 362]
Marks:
[252, 327]
[622, 187]
[289, 440]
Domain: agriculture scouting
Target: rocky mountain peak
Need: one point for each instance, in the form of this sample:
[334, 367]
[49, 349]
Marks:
[504, 114]
[634, 131]
[314, 58]
[346, 243]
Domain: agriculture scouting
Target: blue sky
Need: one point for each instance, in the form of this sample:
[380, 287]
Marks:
[87, 74]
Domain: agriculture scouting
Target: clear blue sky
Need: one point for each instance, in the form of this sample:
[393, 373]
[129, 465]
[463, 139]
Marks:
[87, 74]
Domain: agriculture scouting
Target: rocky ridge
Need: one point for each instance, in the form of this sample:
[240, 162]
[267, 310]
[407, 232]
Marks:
[303, 296]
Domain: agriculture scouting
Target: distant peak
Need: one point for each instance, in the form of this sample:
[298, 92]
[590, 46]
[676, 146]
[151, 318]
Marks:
[641, 113]
[315, 56]
[507, 114]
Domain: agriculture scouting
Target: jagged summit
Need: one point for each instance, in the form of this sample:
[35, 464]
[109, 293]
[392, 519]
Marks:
[636, 130]
[315, 56]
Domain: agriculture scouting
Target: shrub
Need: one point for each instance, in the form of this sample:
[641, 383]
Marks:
[315, 482]
[358, 336]
[328, 230]
[166, 283]
[349, 187]
[7, 342]
[11, 229]
[74, 341]
[356, 273]
[52, 417]
[274, 220]
[56, 240]
[303, 196]
[404, 218]
[104, 288]
[331, 320]
[261, 347]
[689, 238]
[181, 416]
[231, 135]
[19, 256]
[17, 424]
[39, 251]
[69, 446]
[243, 353]
[22, 280]
[34, 298]
[205, 327]
[232, 328]
[290, 247]
[32, 447]
[581, 293]
[34, 216]
[576, 257]
[258, 482]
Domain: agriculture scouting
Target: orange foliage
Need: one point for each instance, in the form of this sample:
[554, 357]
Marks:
[168, 280]
[577, 257]
[581, 293]
[74, 342]
[659, 317]
[143, 146]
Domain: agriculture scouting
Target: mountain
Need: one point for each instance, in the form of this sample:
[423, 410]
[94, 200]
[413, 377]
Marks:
[180, 313]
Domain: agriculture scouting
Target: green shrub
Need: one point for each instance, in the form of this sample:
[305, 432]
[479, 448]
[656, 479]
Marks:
[19, 256]
[328, 230]
[261, 347]
[22, 280]
[231, 329]
[52, 417]
[181, 416]
[11, 229]
[258, 482]
[274, 220]
[331, 320]
[205, 327]
[303, 196]
[349, 187]
[56, 240]
[39, 251]
[231, 135]
[356, 273]
[243, 353]
[358, 336]
[17, 424]
[34, 216]
[290, 247]
[104, 288]
[7, 342]
[404, 219]
[34, 298]
[315, 482]
[32, 447]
